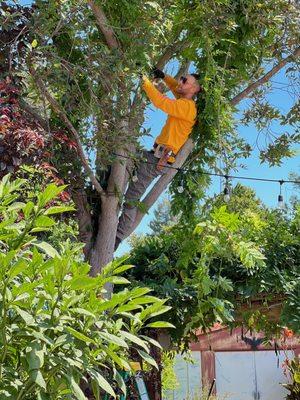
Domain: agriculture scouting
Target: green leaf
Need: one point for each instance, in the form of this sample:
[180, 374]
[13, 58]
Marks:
[120, 361]
[96, 389]
[135, 339]
[84, 283]
[58, 210]
[15, 207]
[144, 300]
[123, 268]
[37, 377]
[44, 221]
[80, 335]
[83, 311]
[25, 316]
[113, 339]
[35, 355]
[120, 381]
[41, 336]
[153, 310]
[34, 43]
[78, 393]
[49, 194]
[297, 377]
[118, 280]
[160, 324]
[17, 268]
[152, 341]
[102, 382]
[138, 292]
[148, 358]
[43, 396]
[47, 248]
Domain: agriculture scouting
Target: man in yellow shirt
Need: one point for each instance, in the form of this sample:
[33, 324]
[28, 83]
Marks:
[182, 113]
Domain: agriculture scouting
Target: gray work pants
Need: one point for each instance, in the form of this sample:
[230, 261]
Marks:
[146, 173]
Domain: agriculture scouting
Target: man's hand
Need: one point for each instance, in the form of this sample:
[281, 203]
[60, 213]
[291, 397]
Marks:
[157, 73]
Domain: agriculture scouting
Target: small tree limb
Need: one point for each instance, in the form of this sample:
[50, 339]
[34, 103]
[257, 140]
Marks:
[235, 100]
[57, 108]
[103, 25]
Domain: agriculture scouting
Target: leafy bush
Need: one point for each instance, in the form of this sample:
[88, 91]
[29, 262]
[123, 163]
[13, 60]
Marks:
[292, 372]
[226, 256]
[57, 329]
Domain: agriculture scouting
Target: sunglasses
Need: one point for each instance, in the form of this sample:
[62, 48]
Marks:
[183, 79]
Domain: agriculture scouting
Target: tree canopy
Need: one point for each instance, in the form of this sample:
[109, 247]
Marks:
[76, 66]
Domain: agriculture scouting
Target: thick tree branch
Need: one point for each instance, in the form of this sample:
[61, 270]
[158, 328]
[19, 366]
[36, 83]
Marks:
[56, 107]
[265, 78]
[116, 181]
[103, 25]
[170, 52]
[163, 182]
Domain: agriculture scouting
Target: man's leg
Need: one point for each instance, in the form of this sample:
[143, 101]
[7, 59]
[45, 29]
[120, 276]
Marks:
[145, 174]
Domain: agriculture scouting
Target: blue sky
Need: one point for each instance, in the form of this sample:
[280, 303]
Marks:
[282, 97]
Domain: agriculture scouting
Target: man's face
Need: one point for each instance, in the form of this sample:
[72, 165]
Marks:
[187, 85]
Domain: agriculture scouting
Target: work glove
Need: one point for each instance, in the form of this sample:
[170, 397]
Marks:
[157, 73]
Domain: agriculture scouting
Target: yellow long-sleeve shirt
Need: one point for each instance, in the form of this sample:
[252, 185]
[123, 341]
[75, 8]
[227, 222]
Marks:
[181, 114]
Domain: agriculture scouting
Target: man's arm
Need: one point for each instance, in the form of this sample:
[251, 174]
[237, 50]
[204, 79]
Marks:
[172, 85]
[176, 108]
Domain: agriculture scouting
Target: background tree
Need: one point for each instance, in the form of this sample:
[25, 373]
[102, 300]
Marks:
[228, 256]
[76, 64]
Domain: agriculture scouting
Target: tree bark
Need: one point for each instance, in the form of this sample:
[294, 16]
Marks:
[103, 249]
[84, 220]
[104, 25]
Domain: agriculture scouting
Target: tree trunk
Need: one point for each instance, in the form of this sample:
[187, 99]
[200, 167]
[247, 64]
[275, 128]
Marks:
[103, 249]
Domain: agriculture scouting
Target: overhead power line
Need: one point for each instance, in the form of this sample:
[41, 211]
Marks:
[182, 169]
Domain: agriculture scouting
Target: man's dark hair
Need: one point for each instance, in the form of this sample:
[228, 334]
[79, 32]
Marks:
[196, 76]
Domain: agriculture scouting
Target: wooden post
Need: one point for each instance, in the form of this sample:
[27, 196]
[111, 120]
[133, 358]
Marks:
[208, 369]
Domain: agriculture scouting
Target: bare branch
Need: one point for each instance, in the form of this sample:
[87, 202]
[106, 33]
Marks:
[57, 108]
[103, 25]
[265, 78]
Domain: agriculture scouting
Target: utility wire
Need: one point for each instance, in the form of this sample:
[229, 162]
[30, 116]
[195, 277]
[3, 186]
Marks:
[182, 169]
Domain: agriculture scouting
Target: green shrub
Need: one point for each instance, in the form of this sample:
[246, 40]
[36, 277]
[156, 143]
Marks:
[57, 329]
[292, 372]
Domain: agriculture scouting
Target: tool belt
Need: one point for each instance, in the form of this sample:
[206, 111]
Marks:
[163, 153]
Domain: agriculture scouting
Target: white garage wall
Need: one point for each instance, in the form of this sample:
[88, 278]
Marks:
[251, 375]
